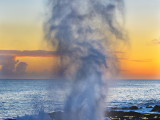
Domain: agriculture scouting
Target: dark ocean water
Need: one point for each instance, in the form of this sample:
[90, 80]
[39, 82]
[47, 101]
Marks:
[20, 97]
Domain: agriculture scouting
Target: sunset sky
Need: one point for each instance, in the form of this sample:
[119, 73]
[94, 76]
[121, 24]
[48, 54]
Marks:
[24, 53]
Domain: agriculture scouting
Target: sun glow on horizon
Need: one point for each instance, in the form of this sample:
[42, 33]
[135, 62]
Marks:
[138, 60]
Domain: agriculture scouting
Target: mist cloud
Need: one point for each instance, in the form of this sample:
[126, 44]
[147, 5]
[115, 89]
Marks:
[85, 31]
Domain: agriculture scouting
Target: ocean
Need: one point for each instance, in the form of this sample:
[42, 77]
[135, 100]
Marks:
[29, 96]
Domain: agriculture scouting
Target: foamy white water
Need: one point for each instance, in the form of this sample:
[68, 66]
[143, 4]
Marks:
[28, 97]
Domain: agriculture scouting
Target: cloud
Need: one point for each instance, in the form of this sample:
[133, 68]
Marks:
[141, 60]
[21, 67]
[38, 53]
[5, 58]
[10, 67]
[154, 42]
[32, 53]
[144, 60]
[8, 64]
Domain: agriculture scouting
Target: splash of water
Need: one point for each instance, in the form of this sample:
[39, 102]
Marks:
[83, 32]
[41, 116]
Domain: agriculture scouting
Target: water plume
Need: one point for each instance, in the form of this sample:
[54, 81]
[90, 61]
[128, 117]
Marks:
[83, 32]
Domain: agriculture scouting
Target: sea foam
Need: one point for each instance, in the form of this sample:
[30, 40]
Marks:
[41, 116]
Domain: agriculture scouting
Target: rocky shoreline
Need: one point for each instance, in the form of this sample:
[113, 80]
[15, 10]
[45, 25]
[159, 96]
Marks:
[119, 115]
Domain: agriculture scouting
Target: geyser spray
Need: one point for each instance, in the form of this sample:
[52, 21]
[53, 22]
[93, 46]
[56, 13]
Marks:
[83, 33]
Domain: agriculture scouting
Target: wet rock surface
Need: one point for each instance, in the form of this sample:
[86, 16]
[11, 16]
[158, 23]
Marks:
[113, 115]
[149, 106]
[118, 115]
[124, 108]
[133, 107]
[156, 109]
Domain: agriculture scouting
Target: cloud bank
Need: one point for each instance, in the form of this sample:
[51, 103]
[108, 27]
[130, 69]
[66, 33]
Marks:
[38, 53]
[144, 60]
[11, 67]
[30, 53]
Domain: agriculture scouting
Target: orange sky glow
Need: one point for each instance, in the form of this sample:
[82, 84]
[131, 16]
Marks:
[21, 40]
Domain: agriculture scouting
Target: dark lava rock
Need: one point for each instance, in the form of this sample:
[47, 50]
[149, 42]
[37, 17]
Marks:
[149, 106]
[56, 115]
[133, 107]
[114, 108]
[114, 113]
[156, 108]
[124, 108]
[120, 115]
